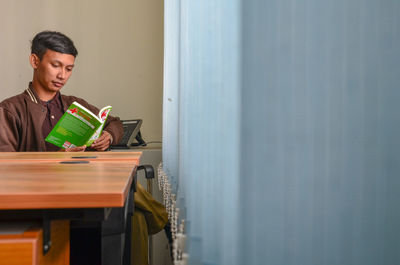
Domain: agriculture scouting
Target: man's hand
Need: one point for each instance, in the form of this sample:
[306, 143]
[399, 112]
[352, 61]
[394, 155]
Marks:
[103, 142]
[75, 149]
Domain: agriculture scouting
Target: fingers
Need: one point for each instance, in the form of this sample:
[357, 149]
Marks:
[76, 149]
[102, 147]
[103, 142]
[100, 144]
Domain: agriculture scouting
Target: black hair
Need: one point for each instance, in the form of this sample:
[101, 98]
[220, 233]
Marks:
[52, 40]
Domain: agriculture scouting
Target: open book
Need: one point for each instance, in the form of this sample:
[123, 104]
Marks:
[78, 126]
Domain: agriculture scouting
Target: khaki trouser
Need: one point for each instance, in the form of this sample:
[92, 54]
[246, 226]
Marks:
[149, 217]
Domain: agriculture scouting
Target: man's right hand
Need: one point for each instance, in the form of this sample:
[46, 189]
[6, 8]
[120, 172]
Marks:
[75, 149]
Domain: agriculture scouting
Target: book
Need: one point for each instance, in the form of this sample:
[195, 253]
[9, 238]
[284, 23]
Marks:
[78, 126]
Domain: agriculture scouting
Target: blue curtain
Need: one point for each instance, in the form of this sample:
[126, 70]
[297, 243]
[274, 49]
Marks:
[201, 123]
[281, 129]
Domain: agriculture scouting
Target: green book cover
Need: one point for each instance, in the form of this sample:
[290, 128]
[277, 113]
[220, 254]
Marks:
[78, 126]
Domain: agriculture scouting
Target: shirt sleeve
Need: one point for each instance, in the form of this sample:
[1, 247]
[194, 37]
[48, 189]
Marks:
[9, 134]
[114, 127]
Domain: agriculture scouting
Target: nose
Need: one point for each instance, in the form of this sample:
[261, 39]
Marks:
[61, 74]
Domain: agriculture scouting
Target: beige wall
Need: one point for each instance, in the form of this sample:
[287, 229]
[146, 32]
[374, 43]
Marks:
[120, 45]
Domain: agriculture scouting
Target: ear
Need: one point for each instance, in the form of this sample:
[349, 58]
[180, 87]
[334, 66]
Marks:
[34, 60]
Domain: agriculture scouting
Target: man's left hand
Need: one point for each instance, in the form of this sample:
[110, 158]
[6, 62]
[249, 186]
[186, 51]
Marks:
[103, 142]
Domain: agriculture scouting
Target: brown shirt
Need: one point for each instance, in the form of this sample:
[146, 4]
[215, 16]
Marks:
[22, 118]
[54, 112]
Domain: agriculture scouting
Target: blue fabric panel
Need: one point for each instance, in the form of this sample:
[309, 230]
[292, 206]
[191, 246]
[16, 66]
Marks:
[281, 129]
[320, 112]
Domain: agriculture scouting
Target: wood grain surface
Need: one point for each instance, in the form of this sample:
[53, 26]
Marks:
[61, 156]
[41, 181]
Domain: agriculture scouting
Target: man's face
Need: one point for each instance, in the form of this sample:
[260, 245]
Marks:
[53, 70]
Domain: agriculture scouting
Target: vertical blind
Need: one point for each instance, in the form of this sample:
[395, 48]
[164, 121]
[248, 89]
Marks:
[201, 123]
[281, 126]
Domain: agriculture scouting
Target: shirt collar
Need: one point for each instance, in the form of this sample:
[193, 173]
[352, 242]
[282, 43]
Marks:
[35, 98]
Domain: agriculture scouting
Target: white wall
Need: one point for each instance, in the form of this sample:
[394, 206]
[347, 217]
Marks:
[120, 45]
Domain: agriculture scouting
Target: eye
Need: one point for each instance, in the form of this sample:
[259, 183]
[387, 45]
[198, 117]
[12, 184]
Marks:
[69, 69]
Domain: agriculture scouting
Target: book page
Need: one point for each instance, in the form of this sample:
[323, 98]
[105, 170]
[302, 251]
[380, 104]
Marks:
[103, 114]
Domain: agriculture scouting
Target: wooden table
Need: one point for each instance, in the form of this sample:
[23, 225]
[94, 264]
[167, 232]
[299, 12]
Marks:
[65, 185]
[133, 157]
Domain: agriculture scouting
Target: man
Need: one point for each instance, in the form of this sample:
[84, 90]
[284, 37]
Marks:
[26, 119]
